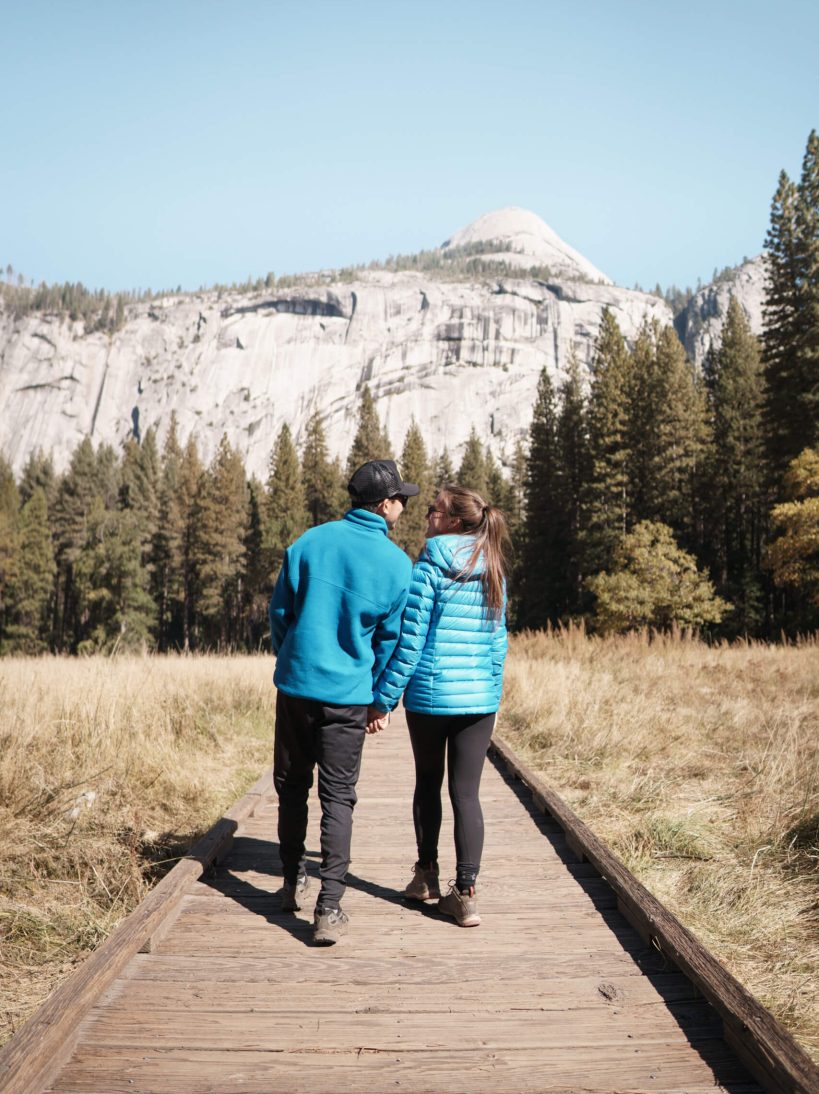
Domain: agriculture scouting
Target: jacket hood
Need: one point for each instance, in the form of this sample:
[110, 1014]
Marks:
[451, 553]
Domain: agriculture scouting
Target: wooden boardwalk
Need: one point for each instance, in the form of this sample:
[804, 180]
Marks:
[553, 992]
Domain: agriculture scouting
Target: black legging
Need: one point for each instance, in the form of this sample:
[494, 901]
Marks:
[463, 739]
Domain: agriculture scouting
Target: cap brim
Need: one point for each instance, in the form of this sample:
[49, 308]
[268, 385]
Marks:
[409, 489]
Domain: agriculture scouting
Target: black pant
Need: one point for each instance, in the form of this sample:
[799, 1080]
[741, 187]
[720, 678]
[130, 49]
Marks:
[464, 739]
[310, 733]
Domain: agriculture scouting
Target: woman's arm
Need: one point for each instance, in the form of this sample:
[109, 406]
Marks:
[414, 629]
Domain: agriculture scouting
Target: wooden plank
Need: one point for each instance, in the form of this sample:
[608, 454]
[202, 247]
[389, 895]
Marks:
[45, 1041]
[661, 1069]
[575, 1030]
[770, 1053]
[364, 969]
[421, 995]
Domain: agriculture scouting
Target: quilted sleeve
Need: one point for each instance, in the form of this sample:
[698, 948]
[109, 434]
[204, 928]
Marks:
[499, 646]
[414, 629]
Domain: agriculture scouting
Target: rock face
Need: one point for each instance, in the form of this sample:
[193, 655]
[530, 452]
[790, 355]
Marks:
[531, 242]
[700, 323]
[452, 353]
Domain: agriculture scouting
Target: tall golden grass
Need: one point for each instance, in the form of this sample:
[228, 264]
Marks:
[109, 770]
[699, 766]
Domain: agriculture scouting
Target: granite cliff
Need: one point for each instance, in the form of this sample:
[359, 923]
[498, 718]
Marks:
[452, 351]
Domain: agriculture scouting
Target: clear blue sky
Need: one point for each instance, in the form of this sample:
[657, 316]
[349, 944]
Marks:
[180, 142]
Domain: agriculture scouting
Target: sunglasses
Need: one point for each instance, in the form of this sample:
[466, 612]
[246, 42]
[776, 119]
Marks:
[401, 498]
[432, 510]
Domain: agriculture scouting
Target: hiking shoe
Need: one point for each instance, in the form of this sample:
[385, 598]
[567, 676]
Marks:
[293, 896]
[424, 884]
[462, 907]
[329, 924]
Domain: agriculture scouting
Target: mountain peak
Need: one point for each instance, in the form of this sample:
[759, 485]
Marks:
[531, 243]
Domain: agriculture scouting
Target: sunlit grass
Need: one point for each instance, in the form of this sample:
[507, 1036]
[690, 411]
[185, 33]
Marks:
[699, 767]
[109, 770]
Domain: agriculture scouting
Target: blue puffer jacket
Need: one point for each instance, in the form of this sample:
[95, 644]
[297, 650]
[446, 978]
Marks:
[450, 655]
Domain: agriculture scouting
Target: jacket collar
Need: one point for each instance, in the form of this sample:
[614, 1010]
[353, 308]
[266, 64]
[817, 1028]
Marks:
[363, 518]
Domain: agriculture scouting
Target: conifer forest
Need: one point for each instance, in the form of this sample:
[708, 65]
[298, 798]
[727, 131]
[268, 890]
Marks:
[650, 494]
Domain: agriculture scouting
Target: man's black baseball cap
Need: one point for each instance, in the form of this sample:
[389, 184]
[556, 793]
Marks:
[377, 480]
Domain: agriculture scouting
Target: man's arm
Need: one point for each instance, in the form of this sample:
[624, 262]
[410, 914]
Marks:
[281, 612]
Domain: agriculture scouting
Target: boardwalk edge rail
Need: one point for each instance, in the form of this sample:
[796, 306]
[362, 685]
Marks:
[36, 1053]
[767, 1050]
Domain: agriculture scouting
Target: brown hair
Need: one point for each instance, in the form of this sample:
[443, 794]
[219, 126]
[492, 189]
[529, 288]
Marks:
[488, 525]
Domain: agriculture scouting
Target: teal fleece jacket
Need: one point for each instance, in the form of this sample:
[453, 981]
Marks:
[335, 613]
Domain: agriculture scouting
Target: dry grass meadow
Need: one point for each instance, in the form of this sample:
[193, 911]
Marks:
[699, 766]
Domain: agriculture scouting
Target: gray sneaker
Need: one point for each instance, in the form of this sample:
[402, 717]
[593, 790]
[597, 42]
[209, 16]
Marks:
[293, 896]
[462, 907]
[424, 884]
[329, 925]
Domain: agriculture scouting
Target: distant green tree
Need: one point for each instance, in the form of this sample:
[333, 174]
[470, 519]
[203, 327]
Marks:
[256, 589]
[191, 474]
[735, 475]
[443, 472]
[121, 612]
[77, 490]
[535, 580]
[410, 532]
[497, 488]
[572, 474]
[607, 502]
[791, 316]
[38, 472]
[33, 585]
[167, 581]
[284, 506]
[653, 583]
[320, 478]
[370, 441]
[9, 541]
[793, 554]
[221, 516]
[472, 472]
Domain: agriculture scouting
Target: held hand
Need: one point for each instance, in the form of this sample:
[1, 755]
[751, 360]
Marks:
[376, 720]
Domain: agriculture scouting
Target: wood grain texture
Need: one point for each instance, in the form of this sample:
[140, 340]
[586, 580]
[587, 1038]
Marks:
[554, 992]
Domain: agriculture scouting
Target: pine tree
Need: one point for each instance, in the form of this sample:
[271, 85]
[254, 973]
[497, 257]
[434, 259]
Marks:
[676, 437]
[607, 503]
[443, 472]
[807, 260]
[221, 511]
[284, 507]
[410, 532]
[497, 488]
[9, 542]
[191, 473]
[319, 476]
[788, 424]
[537, 603]
[75, 495]
[572, 476]
[33, 586]
[472, 472]
[736, 471]
[370, 441]
[167, 582]
[257, 590]
[121, 611]
[38, 472]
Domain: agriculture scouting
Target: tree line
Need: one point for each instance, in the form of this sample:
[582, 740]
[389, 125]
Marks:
[649, 493]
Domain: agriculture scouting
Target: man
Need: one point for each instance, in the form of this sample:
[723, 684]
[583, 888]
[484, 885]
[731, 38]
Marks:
[335, 618]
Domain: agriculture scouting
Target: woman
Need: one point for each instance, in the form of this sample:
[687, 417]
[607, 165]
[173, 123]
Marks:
[450, 660]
